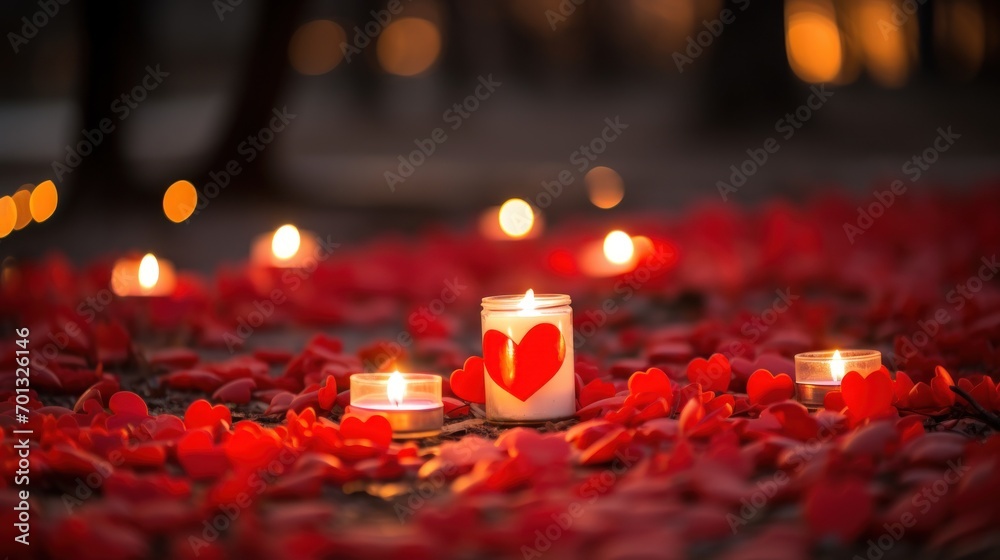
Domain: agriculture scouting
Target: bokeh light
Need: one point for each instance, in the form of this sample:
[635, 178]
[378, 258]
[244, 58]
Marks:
[604, 187]
[618, 247]
[149, 271]
[516, 217]
[314, 48]
[886, 51]
[8, 216]
[286, 241]
[408, 46]
[960, 28]
[180, 201]
[812, 40]
[22, 201]
[43, 201]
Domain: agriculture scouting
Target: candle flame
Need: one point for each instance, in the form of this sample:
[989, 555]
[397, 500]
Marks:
[618, 247]
[149, 271]
[396, 389]
[837, 366]
[516, 218]
[528, 301]
[285, 242]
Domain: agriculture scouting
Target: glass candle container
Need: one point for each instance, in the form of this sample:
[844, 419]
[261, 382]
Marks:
[411, 402]
[819, 373]
[528, 358]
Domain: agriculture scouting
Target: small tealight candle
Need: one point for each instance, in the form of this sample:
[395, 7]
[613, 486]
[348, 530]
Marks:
[528, 358]
[143, 277]
[286, 247]
[411, 402]
[819, 373]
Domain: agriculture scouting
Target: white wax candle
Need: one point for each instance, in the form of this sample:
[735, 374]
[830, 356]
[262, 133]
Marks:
[555, 398]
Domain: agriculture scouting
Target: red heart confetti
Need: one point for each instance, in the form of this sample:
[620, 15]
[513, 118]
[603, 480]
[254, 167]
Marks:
[469, 382]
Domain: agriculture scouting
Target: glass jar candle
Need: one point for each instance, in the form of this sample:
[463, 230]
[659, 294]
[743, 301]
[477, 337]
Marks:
[528, 358]
[819, 373]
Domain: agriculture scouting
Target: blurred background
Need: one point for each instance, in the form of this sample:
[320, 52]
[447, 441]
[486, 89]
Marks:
[359, 117]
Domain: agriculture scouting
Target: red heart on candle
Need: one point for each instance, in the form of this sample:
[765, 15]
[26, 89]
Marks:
[524, 367]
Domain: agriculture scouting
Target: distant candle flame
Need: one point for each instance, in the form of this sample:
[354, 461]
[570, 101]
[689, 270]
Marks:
[837, 366]
[618, 247]
[285, 242]
[516, 218]
[396, 389]
[528, 301]
[149, 271]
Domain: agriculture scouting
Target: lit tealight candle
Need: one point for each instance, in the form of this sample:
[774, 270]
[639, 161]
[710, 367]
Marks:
[819, 373]
[615, 255]
[528, 358]
[143, 277]
[286, 247]
[411, 402]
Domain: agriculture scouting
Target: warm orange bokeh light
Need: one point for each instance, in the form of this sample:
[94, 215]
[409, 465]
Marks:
[960, 37]
[605, 187]
[314, 48]
[149, 271]
[516, 217]
[884, 48]
[43, 201]
[22, 201]
[180, 201]
[286, 242]
[408, 46]
[812, 40]
[8, 216]
[618, 247]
